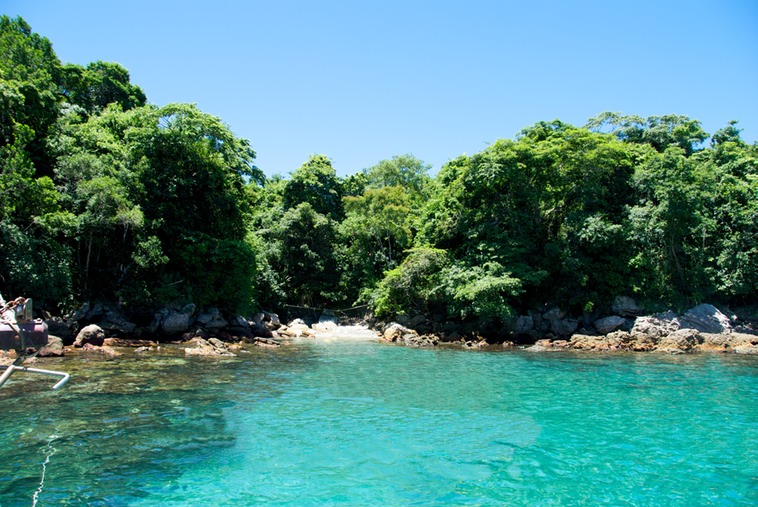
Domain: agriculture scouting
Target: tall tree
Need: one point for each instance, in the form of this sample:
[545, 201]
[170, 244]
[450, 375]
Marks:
[99, 84]
[660, 132]
[316, 183]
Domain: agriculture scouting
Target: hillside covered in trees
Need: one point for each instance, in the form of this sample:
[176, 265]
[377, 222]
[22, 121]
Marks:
[105, 197]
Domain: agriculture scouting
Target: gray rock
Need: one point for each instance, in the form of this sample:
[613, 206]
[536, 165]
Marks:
[626, 307]
[90, 335]
[260, 331]
[706, 319]
[54, 347]
[554, 314]
[273, 319]
[396, 333]
[683, 340]
[609, 324]
[416, 340]
[524, 324]
[239, 321]
[114, 320]
[175, 322]
[208, 316]
[564, 327]
[656, 326]
[417, 321]
[59, 327]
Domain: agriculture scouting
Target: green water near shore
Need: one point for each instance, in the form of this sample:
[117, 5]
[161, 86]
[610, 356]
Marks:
[362, 423]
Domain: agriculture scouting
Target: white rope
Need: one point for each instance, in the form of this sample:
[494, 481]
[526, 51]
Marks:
[49, 450]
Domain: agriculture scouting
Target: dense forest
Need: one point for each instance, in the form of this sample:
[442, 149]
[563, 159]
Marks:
[105, 197]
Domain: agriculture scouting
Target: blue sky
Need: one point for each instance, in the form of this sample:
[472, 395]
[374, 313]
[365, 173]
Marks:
[362, 81]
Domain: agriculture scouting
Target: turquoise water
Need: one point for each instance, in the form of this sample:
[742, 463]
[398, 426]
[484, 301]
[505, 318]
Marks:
[364, 423]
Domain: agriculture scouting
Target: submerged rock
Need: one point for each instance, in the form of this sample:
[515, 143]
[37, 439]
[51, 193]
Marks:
[209, 348]
[104, 351]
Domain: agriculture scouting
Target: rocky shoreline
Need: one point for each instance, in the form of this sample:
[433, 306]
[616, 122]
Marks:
[703, 328]
[105, 332]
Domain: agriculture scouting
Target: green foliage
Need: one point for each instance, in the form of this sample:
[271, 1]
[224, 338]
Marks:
[374, 235]
[102, 196]
[413, 286]
[482, 292]
[34, 265]
[219, 272]
[404, 171]
[149, 180]
[303, 255]
[100, 84]
[29, 76]
[315, 183]
[660, 132]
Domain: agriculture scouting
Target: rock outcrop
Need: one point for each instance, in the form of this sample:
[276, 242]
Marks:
[396, 333]
[90, 335]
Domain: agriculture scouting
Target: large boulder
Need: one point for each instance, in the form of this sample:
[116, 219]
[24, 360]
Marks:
[54, 347]
[175, 323]
[62, 328]
[523, 325]
[659, 325]
[90, 335]
[609, 324]
[564, 327]
[554, 314]
[212, 319]
[115, 322]
[394, 332]
[706, 319]
[626, 307]
[416, 340]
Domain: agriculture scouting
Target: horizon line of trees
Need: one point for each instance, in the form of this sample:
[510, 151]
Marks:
[106, 197]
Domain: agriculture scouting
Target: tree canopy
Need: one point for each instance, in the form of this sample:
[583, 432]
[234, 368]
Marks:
[104, 196]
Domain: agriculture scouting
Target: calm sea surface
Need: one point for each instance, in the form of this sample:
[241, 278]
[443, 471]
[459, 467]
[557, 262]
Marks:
[356, 422]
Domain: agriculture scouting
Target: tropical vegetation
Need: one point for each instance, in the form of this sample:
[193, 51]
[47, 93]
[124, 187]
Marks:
[104, 196]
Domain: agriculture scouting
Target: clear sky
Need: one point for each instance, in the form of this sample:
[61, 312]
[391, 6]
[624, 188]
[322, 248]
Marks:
[361, 81]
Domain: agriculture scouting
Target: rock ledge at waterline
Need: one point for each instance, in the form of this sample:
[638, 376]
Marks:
[210, 333]
[703, 328]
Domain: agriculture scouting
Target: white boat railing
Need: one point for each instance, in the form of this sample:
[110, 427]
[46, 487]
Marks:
[13, 368]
